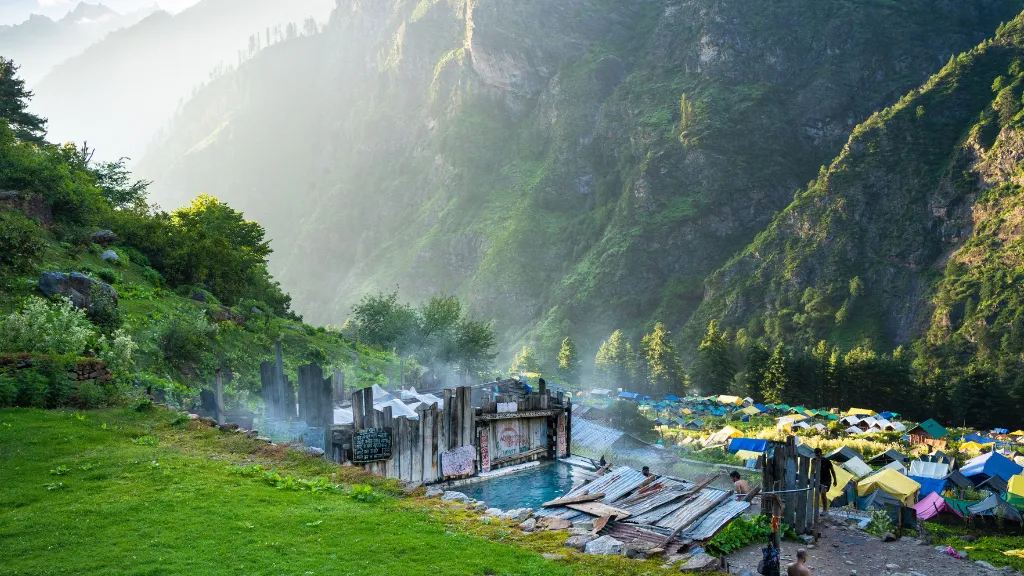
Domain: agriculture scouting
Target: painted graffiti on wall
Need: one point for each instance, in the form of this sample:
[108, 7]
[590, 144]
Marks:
[562, 452]
[485, 451]
[458, 461]
[512, 439]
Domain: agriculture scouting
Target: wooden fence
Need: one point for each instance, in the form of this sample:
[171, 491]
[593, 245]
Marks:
[790, 486]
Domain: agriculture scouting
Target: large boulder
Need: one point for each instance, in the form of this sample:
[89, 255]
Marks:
[110, 256]
[580, 541]
[103, 237]
[702, 562]
[77, 287]
[452, 496]
[605, 546]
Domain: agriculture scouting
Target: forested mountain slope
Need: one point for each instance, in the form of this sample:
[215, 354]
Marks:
[569, 167]
[913, 235]
[119, 92]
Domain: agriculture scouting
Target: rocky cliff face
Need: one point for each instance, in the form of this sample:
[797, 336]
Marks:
[569, 167]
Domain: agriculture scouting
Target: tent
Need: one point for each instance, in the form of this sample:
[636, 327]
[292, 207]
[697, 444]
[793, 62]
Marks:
[886, 457]
[1015, 490]
[749, 444]
[671, 398]
[1017, 433]
[994, 484]
[843, 454]
[730, 400]
[857, 467]
[893, 483]
[881, 500]
[747, 455]
[897, 466]
[859, 412]
[761, 407]
[750, 411]
[925, 469]
[932, 505]
[994, 506]
[958, 480]
[629, 395]
[975, 437]
[978, 469]
[970, 447]
[929, 485]
[843, 478]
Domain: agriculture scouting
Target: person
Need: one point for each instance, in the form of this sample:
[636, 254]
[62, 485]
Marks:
[646, 471]
[602, 462]
[826, 476]
[799, 568]
[740, 486]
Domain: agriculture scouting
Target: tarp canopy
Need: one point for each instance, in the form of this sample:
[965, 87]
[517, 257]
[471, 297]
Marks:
[980, 468]
[958, 480]
[922, 469]
[929, 485]
[994, 506]
[932, 505]
[842, 479]
[750, 411]
[1017, 433]
[878, 499]
[859, 412]
[1015, 490]
[761, 407]
[897, 466]
[749, 444]
[630, 395]
[671, 398]
[842, 454]
[975, 437]
[994, 484]
[857, 467]
[893, 483]
[970, 447]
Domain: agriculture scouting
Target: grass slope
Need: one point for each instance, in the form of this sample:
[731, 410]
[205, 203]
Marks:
[128, 492]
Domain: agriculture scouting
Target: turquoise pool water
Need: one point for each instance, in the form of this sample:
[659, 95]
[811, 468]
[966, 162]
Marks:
[527, 489]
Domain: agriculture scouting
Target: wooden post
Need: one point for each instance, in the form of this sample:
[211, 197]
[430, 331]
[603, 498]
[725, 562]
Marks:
[456, 418]
[339, 386]
[789, 498]
[220, 396]
[390, 467]
[468, 418]
[446, 417]
[429, 442]
[416, 450]
[802, 482]
[568, 426]
[357, 410]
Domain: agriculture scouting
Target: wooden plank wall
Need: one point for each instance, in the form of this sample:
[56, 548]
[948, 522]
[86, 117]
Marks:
[794, 479]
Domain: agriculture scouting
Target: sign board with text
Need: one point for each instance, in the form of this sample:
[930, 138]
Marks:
[371, 444]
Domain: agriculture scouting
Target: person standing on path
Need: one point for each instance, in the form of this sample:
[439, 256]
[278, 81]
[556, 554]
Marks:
[826, 477]
[799, 568]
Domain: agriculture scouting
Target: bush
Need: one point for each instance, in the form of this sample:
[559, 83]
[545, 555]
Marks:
[42, 327]
[20, 242]
[117, 352]
[184, 338]
[104, 311]
[47, 385]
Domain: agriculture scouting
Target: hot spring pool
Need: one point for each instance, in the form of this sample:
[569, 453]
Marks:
[526, 489]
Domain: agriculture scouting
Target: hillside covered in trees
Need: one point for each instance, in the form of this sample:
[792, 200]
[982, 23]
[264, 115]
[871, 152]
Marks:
[568, 168]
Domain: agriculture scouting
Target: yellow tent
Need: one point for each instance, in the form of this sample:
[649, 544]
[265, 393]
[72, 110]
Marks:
[970, 447]
[892, 482]
[842, 479]
[796, 417]
[859, 411]
[1017, 433]
[736, 400]
[687, 411]
[750, 411]
[730, 432]
[747, 454]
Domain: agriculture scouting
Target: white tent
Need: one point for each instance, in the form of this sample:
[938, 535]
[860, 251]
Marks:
[857, 467]
[894, 465]
[935, 470]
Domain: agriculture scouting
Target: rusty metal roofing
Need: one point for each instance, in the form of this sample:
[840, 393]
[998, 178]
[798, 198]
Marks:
[691, 509]
[593, 437]
[715, 520]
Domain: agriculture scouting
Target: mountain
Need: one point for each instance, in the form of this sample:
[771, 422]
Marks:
[39, 43]
[912, 236]
[119, 92]
[570, 168]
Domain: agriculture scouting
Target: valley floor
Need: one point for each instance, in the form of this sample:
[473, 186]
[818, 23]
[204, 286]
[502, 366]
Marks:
[128, 492]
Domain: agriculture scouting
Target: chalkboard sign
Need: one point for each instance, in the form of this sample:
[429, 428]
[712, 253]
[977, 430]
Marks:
[371, 444]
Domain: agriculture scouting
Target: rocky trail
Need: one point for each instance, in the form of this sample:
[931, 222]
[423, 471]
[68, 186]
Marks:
[844, 550]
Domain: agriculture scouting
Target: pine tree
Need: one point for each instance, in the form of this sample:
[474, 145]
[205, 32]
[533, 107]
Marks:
[523, 362]
[756, 366]
[664, 371]
[14, 100]
[568, 360]
[714, 369]
[615, 362]
[776, 375]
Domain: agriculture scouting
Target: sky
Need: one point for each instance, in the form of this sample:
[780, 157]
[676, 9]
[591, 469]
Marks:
[17, 11]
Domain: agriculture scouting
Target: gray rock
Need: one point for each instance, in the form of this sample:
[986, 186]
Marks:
[892, 567]
[529, 525]
[479, 507]
[806, 538]
[256, 311]
[579, 531]
[494, 512]
[640, 550]
[985, 565]
[580, 541]
[549, 556]
[103, 237]
[110, 256]
[434, 492]
[888, 537]
[518, 514]
[10, 195]
[604, 546]
[76, 287]
[452, 496]
[486, 519]
[702, 562]
[199, 296]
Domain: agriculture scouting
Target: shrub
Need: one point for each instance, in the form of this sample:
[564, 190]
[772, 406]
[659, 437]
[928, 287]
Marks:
[118, 351]
[184, 337]
[20, 242]
[42, 327]
[104, 311]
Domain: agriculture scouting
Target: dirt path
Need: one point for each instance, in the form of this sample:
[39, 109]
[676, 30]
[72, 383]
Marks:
[843, 549]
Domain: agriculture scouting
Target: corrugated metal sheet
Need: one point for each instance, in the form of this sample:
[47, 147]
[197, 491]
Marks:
[592, 437]
[713, 521]
[691, 509]
[615, 484]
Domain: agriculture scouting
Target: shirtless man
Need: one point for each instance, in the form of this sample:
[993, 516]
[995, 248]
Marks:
[739, 485]
[799, 568]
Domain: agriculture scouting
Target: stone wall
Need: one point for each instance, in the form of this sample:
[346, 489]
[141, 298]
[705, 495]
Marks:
[84, 370]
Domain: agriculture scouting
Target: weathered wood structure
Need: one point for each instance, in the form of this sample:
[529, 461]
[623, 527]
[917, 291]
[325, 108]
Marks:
[790, 486]
[460, 439]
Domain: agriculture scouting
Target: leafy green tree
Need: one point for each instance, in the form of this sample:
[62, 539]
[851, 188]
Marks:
[664, 370]
[476, 346]
[14, 100]
[615, 362]
[524, 361]
[776, 375]
[568, 360]
[117, 186]
[714, 369]
[383, 321]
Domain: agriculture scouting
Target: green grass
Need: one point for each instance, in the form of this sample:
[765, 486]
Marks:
[123, 492]
[987, 548]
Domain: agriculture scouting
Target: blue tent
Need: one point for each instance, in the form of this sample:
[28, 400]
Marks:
[885, 415]
[630, 395]
[974, 437]
[751, 444]
[929, 485]
[761, 407]
[983, 467]
[671, 398]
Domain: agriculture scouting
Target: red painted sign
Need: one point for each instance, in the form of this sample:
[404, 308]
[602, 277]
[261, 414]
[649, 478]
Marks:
[562, 452]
